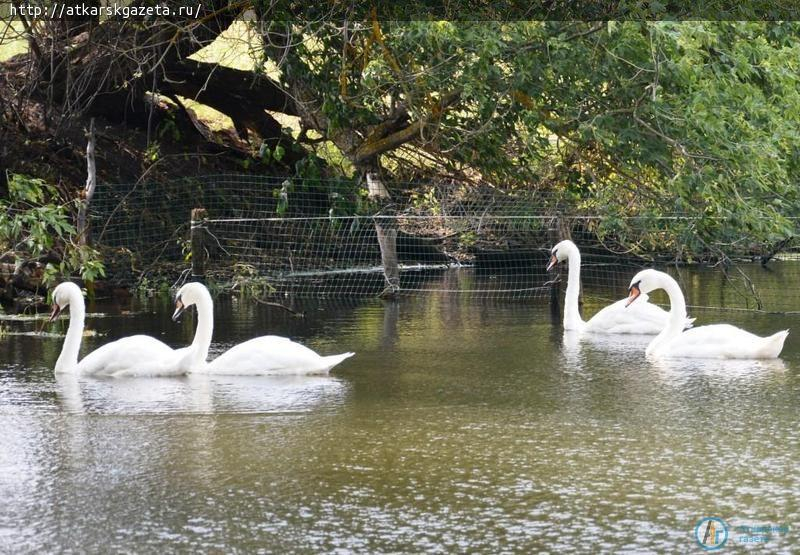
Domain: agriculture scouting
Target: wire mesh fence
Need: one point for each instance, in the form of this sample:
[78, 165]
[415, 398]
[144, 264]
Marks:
[325, 238]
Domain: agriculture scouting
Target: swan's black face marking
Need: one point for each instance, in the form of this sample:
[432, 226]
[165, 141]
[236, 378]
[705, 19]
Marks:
[55, 313]
[179, 308]
[553, 261]
[633, 293]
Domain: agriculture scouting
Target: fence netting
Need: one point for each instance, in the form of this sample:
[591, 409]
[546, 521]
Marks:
[326, 238]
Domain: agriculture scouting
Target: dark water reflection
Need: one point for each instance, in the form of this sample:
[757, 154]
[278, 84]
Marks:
[460, 425]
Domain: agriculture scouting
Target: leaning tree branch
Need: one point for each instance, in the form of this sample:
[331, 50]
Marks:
[222, 86]
[235, 93]
[590, 31]
[371, 148]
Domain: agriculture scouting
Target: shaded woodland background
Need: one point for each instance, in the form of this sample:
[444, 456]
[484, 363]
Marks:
[628, 119]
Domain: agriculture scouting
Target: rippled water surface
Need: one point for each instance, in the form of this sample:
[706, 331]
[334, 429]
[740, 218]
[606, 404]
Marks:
[460, 425]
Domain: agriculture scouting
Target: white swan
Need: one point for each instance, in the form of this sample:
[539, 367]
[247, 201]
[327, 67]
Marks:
[266, 355]
[137, 355]
[716, 341]
[644, 318]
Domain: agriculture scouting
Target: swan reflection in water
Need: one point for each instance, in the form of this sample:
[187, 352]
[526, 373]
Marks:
[676, 369]
[265, 394]
[201, 394]
[573, 342]
[579, 349]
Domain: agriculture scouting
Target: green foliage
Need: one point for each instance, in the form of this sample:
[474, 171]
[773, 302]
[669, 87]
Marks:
[247, 280]
[427, 201]
[468, 238]
[33, 223]
[153, 152]
[29, 221]
[309, 168]
[282, 195]
[153, 285]
[169, 128]
[185, 245]
[80, 259]
[636, 121]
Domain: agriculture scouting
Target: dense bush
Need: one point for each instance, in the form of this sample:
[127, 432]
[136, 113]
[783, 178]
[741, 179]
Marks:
[35, 225]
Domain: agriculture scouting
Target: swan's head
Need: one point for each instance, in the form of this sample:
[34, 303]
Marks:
[560, 253]
[188, 295]
[62, 295]
[644, 282]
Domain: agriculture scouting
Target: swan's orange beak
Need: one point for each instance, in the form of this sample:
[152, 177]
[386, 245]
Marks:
[553, 263]
[56, 311]
[633, 294]
[179, 308]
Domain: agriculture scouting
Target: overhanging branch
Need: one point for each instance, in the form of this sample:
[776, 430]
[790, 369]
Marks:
[375, 146]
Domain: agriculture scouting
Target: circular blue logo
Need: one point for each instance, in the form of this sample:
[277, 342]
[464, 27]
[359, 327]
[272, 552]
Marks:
[711, 533]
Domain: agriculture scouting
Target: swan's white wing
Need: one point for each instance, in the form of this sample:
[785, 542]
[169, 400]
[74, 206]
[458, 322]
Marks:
[271, 355]
[137, 355]
[723, 341]
[640, 317]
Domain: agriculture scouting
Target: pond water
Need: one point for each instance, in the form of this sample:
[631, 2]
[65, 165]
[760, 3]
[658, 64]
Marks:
[460, 425]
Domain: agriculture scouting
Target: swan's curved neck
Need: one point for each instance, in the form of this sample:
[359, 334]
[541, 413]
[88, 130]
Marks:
[68, 359]
[204, 331]
[677, 313]
[572, 315]
[677, 304]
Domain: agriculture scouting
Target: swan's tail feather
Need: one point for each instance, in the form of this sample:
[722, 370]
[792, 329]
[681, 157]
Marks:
[773, 345]
[332, 360]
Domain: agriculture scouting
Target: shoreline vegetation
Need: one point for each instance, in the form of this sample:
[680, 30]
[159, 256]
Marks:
[677, 138]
